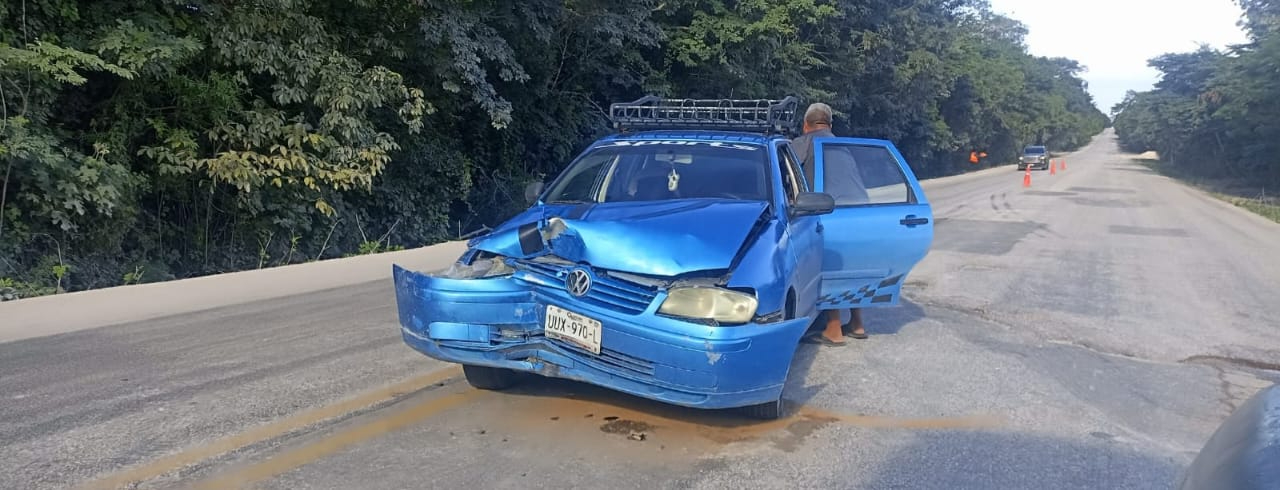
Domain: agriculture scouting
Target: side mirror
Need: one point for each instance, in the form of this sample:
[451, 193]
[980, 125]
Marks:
[813, 204]
[532, 191]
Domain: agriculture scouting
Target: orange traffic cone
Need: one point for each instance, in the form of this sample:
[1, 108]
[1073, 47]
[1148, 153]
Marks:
[1064, 163]
[1053, 168]
[1026, 179]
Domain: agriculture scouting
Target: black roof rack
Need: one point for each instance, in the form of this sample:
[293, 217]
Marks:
[756, 116]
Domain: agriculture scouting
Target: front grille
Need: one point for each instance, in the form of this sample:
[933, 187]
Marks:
[606, 291]
[611, 358]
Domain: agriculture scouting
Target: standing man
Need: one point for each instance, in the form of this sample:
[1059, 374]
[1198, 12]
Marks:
[848, 187]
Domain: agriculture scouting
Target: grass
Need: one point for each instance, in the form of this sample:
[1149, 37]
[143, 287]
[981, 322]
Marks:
[1266, 208]
[1257, 199]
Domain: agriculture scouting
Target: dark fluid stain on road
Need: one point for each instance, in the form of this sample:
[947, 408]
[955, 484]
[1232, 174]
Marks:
[981, 236]
[1144, 170]
[1103, 190]
[1109, 203]
[1235, 361]
[1048, 193]
[586, 413]
[803, 426]
[625, 427]
[917, 284]
[1148, 231]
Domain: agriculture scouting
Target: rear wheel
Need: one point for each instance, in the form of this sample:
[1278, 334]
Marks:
[490, 378]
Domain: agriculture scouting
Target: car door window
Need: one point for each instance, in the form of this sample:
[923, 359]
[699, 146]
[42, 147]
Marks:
[859, 175]
[791, 181]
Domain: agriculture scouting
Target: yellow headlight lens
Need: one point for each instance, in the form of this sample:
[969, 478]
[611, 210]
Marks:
[721, 305]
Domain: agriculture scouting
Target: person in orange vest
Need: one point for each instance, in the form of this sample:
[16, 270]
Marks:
[976, 156]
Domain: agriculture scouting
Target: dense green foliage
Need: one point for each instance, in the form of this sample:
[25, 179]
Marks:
[150, 139]
[1213, 113]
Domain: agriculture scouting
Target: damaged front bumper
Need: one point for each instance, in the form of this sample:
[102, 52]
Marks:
[498, 322]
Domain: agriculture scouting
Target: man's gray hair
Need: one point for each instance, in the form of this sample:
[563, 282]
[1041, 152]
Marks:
[818, 113]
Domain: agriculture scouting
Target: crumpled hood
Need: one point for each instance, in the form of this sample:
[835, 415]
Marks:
[664, 238]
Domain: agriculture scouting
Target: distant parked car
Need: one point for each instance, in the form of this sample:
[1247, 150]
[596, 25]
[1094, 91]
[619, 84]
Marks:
[1034, 156]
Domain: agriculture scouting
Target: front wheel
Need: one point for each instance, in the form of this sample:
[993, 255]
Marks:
[773, 410]
[490, 378]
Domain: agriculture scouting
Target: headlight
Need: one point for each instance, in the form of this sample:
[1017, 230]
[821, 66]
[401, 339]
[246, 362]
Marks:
[721, 305]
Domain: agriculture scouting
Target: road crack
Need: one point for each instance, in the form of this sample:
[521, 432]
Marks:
[1235, 361]
[1224, 387]
[1235, 386]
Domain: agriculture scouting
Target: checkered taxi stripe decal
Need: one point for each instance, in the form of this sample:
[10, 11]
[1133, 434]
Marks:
[865, 295]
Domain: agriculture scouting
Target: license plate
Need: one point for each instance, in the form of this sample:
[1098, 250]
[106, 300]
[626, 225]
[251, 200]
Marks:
[562, 324]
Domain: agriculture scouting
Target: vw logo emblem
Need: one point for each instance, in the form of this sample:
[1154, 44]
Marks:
[578, 282]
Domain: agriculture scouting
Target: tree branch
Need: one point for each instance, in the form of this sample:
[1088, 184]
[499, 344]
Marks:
[4, 195]
[325, 245]
[4, 125]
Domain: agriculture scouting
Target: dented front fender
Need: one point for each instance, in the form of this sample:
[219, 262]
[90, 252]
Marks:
[434, 305]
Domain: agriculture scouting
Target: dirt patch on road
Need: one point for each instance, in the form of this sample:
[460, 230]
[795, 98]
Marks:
[579, 413]
[1148, 231]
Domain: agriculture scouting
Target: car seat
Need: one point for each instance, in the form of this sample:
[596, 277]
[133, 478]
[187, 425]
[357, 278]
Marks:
[652, 188]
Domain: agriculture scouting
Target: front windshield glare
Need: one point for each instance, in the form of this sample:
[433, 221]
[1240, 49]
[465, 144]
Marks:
[657, 171]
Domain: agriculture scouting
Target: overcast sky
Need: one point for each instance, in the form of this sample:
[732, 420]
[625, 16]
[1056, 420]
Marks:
[1115, 38]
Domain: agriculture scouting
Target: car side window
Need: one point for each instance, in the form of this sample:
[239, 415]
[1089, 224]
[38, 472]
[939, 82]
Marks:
[583, 184]
[858, 175]
[791, 180]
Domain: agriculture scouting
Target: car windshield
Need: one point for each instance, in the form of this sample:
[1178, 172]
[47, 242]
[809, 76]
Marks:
[661, 170]
[1034, 150]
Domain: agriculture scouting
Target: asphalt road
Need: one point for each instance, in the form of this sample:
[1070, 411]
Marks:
[1088, 332]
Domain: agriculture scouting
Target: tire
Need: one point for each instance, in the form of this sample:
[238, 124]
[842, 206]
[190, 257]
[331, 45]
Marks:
[773, 410]
[490, 378]
[789, 306]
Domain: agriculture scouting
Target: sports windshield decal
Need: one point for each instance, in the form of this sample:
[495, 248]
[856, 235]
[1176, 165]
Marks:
[715, 144]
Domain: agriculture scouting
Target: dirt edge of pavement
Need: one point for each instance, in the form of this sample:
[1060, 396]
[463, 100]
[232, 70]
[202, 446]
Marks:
[81, 310]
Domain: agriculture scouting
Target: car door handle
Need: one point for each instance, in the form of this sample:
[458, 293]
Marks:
[912, 221]
[820, 228]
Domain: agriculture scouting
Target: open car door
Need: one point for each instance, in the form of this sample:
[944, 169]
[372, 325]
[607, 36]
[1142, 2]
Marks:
[882, 225]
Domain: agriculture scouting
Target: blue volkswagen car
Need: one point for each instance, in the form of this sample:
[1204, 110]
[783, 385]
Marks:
[680, 259]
